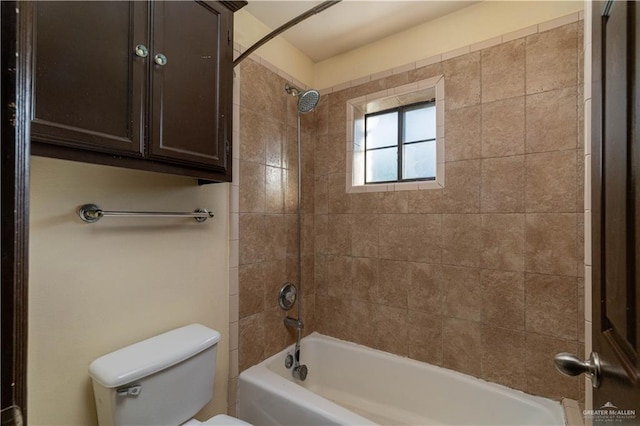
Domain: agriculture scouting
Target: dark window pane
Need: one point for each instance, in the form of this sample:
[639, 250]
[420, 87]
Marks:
[420, 123]
[419, 160]
[382, 165]
[382, 130]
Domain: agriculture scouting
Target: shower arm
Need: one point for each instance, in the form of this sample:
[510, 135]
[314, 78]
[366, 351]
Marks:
[295, 21]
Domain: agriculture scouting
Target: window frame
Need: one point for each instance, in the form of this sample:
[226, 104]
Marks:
[400, 110]
[384, 99]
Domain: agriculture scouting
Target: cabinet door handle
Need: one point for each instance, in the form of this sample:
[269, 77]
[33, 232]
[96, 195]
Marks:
[142, 51]
[160, 59]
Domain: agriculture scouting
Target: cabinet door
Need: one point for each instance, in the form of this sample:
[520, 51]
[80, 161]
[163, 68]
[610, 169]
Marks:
[88, 83]
[189, 120]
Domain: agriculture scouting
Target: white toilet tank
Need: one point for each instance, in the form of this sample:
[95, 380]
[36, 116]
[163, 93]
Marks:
[164, 380]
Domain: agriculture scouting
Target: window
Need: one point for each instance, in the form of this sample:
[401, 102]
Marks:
[400, 144]
[395, 138]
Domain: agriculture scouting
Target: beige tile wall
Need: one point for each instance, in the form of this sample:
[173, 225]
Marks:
[486, 275]
[265, 216]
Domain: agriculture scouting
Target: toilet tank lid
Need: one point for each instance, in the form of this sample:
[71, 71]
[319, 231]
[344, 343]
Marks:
[149, 356]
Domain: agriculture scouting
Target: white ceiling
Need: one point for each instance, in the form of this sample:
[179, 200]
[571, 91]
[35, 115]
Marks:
[349, 24]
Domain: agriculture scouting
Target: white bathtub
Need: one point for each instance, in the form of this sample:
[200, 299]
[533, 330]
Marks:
[349, 384]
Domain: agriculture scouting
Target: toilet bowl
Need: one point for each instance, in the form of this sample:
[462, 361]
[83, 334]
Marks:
[165, 380]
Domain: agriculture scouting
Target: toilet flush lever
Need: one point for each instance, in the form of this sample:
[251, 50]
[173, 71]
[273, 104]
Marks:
[130, 391]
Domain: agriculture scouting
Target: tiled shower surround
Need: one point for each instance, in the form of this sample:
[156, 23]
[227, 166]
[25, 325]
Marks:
[268, 201]
[484, 276]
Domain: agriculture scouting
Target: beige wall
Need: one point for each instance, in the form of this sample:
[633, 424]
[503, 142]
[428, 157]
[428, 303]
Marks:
[248, 30]
[97, 287]
[470, 25]
[485, 276]
[476, 23]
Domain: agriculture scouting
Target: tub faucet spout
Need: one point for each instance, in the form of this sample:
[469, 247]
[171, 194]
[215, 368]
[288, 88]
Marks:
[296, 324]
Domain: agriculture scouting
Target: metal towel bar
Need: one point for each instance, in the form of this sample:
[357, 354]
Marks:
[91, 213]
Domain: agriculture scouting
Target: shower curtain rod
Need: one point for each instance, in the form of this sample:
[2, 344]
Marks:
[309, 13]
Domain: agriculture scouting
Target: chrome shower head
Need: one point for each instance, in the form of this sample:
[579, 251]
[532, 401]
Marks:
[307, 100]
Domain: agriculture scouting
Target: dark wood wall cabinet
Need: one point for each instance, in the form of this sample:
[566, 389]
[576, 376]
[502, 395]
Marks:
[144, 85]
